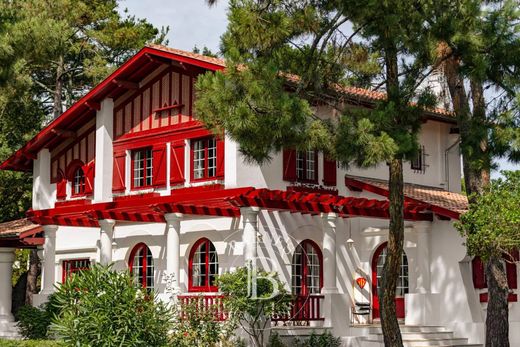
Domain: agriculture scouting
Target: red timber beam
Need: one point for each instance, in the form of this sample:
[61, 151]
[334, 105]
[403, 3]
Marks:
[27, 239]
[356, 185]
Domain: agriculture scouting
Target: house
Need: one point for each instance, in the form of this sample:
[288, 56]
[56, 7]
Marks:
[127, 175]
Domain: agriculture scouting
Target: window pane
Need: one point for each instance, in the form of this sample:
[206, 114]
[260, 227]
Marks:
[310, 174]
[300, 158]
[149, 167]
[198, 159]
[212, 157]
[138, 169]
[79, 182]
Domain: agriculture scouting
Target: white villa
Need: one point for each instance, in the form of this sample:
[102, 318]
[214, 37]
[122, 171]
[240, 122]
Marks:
[128, 175]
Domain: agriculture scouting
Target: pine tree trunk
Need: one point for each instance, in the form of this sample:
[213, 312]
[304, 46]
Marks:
[392, 267]
[32, 276]
[57, 108]
[497, 319]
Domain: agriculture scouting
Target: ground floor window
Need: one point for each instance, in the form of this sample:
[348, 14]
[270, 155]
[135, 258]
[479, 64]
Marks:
[307, 277]
[141, 266]
[72, 266]
[203, 267]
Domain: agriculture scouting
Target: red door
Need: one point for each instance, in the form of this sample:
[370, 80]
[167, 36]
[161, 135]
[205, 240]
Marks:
[378, 261]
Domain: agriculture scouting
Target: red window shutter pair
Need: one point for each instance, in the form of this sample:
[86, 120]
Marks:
[289, 168]
[89, 171]
[118, 176]
[177, 163]
[329, 172]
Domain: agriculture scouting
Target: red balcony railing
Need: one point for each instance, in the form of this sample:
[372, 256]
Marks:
[304, 308]
[203, 304]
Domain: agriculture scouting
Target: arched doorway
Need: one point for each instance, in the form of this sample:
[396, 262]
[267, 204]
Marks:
[378, 261]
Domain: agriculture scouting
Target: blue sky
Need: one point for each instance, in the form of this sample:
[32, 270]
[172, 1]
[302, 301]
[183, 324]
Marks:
[192, 23]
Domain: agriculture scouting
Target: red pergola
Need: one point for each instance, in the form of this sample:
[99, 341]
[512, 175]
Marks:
[217, 201]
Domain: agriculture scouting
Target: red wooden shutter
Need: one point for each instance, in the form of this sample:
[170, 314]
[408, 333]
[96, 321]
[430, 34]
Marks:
[118, 180]
[479, 279]
[89, 177]
[220, 158]
[61, 187]
[159, 165]
[329, 172]
[289, 165]
[512, 281]
[177, 162]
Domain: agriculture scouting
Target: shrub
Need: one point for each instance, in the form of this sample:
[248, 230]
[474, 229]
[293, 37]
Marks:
[102, 307]
[325, 339]
[34, 322]
[30, 343]
[253, 312]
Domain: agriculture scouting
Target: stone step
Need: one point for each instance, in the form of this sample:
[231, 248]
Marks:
[299, 331]
[418, 342]
[411, 328]
[406, 335]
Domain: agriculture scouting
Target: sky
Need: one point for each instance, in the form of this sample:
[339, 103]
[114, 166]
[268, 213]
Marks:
[193, 23]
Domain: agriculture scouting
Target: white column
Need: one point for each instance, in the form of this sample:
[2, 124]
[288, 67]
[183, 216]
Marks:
[105, 240]
[49, 263]
[43, 195]
[329, 252]
[249, 234]
[173, 246]
[104, 152]
[6, 271]
[423, 230]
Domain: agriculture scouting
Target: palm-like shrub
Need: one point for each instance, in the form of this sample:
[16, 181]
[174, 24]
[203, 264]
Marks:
[102, 307]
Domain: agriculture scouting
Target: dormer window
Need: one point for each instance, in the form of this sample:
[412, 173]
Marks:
[142, 168]
[78, 183]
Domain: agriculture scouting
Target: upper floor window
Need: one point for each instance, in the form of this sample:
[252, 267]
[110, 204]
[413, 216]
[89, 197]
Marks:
[417, 163]
[204, 158]
[307, 166]
[141, 266]
[73, 266]
[78, 184]
[142, 168]
[203, 267]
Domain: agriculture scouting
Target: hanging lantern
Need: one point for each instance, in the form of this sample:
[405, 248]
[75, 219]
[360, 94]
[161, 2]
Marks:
[361, 281]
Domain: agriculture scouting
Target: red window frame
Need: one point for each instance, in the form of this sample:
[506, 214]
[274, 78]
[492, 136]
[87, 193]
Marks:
[71, 266]
[305, 167]
[72, 169]
[206, 175]
[303, 265]
[142, 277]
[146, 159]
[480, 280]
[207, 287]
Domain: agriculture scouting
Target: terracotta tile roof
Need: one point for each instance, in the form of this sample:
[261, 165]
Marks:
[362, 93]
[434, 196]
[16, 227]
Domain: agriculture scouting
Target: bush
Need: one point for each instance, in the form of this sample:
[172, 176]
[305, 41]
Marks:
[102, 307]
[34, 322]
[325, 339]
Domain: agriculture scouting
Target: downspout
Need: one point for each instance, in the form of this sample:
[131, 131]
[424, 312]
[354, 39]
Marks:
[447, 163]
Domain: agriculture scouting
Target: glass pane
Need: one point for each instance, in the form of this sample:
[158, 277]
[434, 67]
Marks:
[212, 158]
[198, 159]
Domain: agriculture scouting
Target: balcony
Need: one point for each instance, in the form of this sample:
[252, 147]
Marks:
[304, 309]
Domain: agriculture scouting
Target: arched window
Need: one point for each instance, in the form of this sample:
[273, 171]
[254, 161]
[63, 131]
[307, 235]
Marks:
[203, 267]
[78, 182]
[378, 262]
[141, 266]
[307, 276]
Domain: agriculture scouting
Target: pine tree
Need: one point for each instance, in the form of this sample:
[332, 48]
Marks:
[285, 56]
[479, 43]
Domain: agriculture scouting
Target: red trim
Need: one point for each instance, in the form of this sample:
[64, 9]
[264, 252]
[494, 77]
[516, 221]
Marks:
[511, 297]
[205, 141]
[206, 287]
[356, 185]
[145, 158]
[146, 251]
[399, 301]
[329, 172]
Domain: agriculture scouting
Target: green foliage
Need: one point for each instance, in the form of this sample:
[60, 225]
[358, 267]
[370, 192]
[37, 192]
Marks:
[196, 327]
[325, 339]
[31, 343]
[491, 225]
[252, 313]
[102, 307]
[33, 322]
[20, 265]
